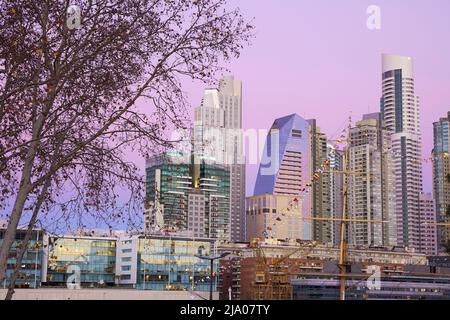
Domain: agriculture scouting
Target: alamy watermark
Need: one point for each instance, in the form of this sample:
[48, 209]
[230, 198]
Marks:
[74, 280]
[229, 146]
[374, 280]
[374, 20]
[73, 17]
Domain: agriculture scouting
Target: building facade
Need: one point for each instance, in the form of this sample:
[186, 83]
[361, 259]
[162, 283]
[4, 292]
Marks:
[401, 287]
[400, 112]
[285, 167]
[81, 259]
[322, 192]
[371, 184]
[33, 269]
[274, 216]
[335, 158]
[163, 263]
[238, 270]
[190, 199]
[428, 237]
[218, 139]
[441, 178]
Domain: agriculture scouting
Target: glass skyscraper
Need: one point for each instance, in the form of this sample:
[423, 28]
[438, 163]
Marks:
[218, 139]
[188, 199]
[441, 178]
[285, 167]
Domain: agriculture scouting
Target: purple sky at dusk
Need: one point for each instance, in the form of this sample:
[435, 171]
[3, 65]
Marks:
[317, 58]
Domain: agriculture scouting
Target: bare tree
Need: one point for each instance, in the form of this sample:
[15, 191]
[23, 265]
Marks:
[70, 97]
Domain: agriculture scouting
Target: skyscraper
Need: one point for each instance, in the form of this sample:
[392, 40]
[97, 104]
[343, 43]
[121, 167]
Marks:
[441, 177]
[335, 156]
[400, 111]
[371, 190]
[218, 139]
[187, 199]
[285, 167]
[321, 189]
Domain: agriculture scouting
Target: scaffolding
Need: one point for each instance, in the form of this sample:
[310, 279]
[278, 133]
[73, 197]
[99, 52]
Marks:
[273, 275]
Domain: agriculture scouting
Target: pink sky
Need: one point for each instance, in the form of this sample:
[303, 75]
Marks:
[317, 58]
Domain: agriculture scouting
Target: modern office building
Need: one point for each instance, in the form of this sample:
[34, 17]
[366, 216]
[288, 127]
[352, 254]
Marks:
[371, 183]
[441, 178]
[168, 181]
[33, 269]
[90, 257]
[163, 263]
[428, 238]
[321, 206]
[218, 139]
[190, 199]
[285, 167]
[400, 112]
[273, 216]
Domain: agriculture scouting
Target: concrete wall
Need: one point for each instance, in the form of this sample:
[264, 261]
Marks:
[104, 294]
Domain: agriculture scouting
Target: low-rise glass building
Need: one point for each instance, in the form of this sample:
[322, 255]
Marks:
[33, 267]
[93, 257]
[164, 263]
[400, 287]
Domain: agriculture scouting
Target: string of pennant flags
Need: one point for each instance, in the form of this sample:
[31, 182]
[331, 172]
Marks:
[319, 171]
[293, 203]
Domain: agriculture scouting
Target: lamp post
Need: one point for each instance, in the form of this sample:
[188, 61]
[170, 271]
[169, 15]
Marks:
[211, 260]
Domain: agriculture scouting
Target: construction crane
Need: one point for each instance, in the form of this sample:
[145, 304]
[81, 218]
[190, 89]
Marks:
[272, 277]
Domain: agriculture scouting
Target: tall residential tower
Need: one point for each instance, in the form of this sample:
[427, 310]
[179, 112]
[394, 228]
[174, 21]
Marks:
[400, 112]
[321, 206]
[371, 193]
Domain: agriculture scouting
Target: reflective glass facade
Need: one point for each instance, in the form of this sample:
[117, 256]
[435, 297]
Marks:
[286, 164]
[391, 288]
[95, 257]
[30, 273]
[441, 178]
[170, 264]
[169, 185]
[215, 184]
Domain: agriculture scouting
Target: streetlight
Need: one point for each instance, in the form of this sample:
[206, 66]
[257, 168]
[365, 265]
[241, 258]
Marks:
[211, 259]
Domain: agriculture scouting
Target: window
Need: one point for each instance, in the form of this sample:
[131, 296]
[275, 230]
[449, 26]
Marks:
[125, 268]
[125, 277]
[126, 259]
[296, 133]
[126, 250]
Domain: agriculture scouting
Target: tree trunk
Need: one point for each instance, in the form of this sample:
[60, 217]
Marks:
[19, 259]
[25, 188]
[24, 246]
[10, 233]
